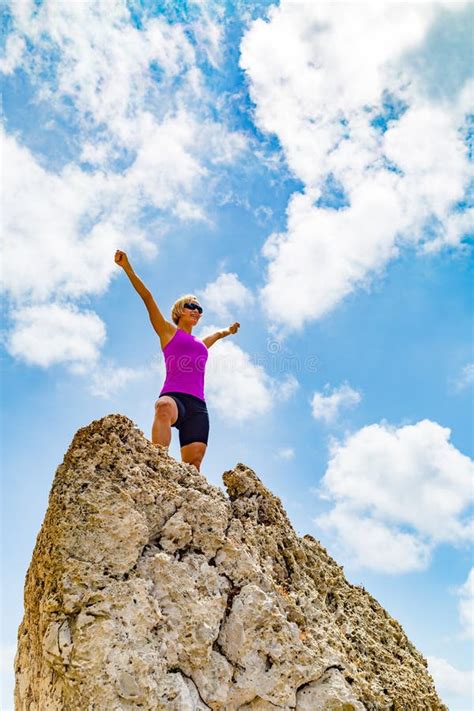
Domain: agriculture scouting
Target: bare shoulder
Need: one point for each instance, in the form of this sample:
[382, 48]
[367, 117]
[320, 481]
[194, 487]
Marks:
[167, 334]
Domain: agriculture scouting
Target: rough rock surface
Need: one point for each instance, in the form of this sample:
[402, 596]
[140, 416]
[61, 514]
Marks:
[150, 589]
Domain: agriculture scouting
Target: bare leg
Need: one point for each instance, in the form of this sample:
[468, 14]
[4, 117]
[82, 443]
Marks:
[166, 414]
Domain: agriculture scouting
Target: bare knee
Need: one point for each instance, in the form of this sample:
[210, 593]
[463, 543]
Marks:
[165, 411]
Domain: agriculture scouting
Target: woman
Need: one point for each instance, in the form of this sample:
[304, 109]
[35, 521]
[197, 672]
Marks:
[181, 403]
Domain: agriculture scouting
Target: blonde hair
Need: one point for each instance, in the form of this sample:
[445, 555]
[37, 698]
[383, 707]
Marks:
[177, 308]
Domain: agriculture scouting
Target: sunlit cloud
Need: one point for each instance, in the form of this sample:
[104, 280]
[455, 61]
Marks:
[396, 494]
[359, 135]
[237, 387]
[142, 134]
[227, 296]
[49, 334]
[450, 680]
[327, 405]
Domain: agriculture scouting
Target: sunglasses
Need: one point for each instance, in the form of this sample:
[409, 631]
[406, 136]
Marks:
[193, 307]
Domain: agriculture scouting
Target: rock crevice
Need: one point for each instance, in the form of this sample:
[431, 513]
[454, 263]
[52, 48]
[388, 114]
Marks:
[151, 589]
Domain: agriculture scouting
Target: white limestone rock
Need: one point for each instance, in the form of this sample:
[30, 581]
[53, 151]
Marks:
[150, 589]
[329, 693]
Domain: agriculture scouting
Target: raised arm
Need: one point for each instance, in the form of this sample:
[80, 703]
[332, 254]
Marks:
[210, 340]
[163, 328]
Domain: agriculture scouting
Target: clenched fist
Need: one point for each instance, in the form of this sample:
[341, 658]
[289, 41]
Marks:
[234, 328]
[121, 259]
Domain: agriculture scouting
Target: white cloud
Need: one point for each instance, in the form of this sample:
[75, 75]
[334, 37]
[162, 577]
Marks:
[450, 680]
[55, 333]
[227, 295]
[466, 605]
[319, 260]
[438, 176]
[14, 48]
[60, 232]
[322, 109]
[366, 541]
[62, 227]
[104, 60]
[128, 85]
[396, 493]
[236, 387]
[328, 407]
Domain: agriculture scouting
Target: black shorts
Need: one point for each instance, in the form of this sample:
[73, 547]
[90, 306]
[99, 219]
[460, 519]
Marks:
[193, 418]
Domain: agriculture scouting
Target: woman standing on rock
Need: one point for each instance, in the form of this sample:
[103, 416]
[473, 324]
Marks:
[181, 401]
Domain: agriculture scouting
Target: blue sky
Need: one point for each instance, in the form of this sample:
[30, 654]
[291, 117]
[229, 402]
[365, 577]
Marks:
[306, 169]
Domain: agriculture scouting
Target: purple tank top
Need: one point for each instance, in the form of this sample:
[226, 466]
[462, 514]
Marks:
[185, 359]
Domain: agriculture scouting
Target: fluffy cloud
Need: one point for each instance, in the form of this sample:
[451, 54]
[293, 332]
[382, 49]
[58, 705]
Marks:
[450, 680]
[396, 494]
[61, 230]
[466, 605]
[55, 333]
[327, 407]
[49, 247]
[237, 388]
[227, 295]
[126, 83]
[103, 59]
[361, 131]
[14, 48]
[145, 138]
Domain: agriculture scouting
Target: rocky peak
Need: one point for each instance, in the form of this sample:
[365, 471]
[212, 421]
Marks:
[151, 589]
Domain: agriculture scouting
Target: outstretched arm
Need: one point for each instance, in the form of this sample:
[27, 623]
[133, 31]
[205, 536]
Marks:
[162, 327]
[210, 340]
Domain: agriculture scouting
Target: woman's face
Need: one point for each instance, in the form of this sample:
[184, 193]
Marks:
[191, 313]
